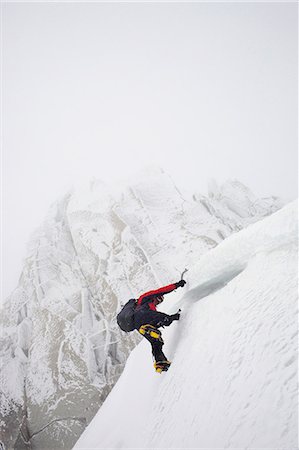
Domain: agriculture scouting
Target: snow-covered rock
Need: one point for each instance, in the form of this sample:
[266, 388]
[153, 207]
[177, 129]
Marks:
[233, 380]
[61, 350]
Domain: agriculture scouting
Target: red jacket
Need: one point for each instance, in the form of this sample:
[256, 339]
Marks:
[151, 295]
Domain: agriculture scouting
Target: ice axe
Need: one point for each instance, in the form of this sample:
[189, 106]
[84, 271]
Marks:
[183, 273]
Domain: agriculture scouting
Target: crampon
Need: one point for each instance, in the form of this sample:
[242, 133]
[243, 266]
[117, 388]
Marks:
[162, 366]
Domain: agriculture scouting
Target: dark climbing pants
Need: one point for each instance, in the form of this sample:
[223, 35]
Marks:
[154, 336]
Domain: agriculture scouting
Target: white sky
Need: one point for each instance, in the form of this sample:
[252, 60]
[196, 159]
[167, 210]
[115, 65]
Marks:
[103, 89]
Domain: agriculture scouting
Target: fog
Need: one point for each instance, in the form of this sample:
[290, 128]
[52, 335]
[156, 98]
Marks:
[204, 90]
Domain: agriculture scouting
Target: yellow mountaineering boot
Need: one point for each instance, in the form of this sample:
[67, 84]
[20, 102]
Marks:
[162, 366]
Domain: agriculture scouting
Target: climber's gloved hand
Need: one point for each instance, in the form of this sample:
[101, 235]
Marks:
[169, 319]
[180, 283]
[176, 316]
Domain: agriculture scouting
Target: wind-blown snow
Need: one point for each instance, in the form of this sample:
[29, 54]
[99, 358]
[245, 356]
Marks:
[233, 380]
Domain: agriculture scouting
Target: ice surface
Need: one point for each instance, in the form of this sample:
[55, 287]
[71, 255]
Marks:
[233, 380]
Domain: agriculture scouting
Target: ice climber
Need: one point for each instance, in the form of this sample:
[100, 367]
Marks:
[148, 320]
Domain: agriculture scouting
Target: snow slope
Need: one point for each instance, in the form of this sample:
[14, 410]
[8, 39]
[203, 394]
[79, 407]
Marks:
[233, 380]
[61, 349]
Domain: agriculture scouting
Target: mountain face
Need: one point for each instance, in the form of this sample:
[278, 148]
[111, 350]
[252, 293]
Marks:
[61, 350]
[233, 382]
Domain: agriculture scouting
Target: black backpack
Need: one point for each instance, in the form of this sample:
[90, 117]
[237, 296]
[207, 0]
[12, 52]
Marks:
[125, 318]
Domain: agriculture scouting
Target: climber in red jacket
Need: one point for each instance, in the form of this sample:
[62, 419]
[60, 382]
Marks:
[148, 321]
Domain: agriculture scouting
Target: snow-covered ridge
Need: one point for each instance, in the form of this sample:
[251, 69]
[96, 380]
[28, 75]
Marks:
[61, 350]
[230, 258]
[233, 380]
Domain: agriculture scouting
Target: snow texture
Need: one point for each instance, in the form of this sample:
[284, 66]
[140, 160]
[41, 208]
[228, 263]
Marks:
[61, 349]
[233, 379]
